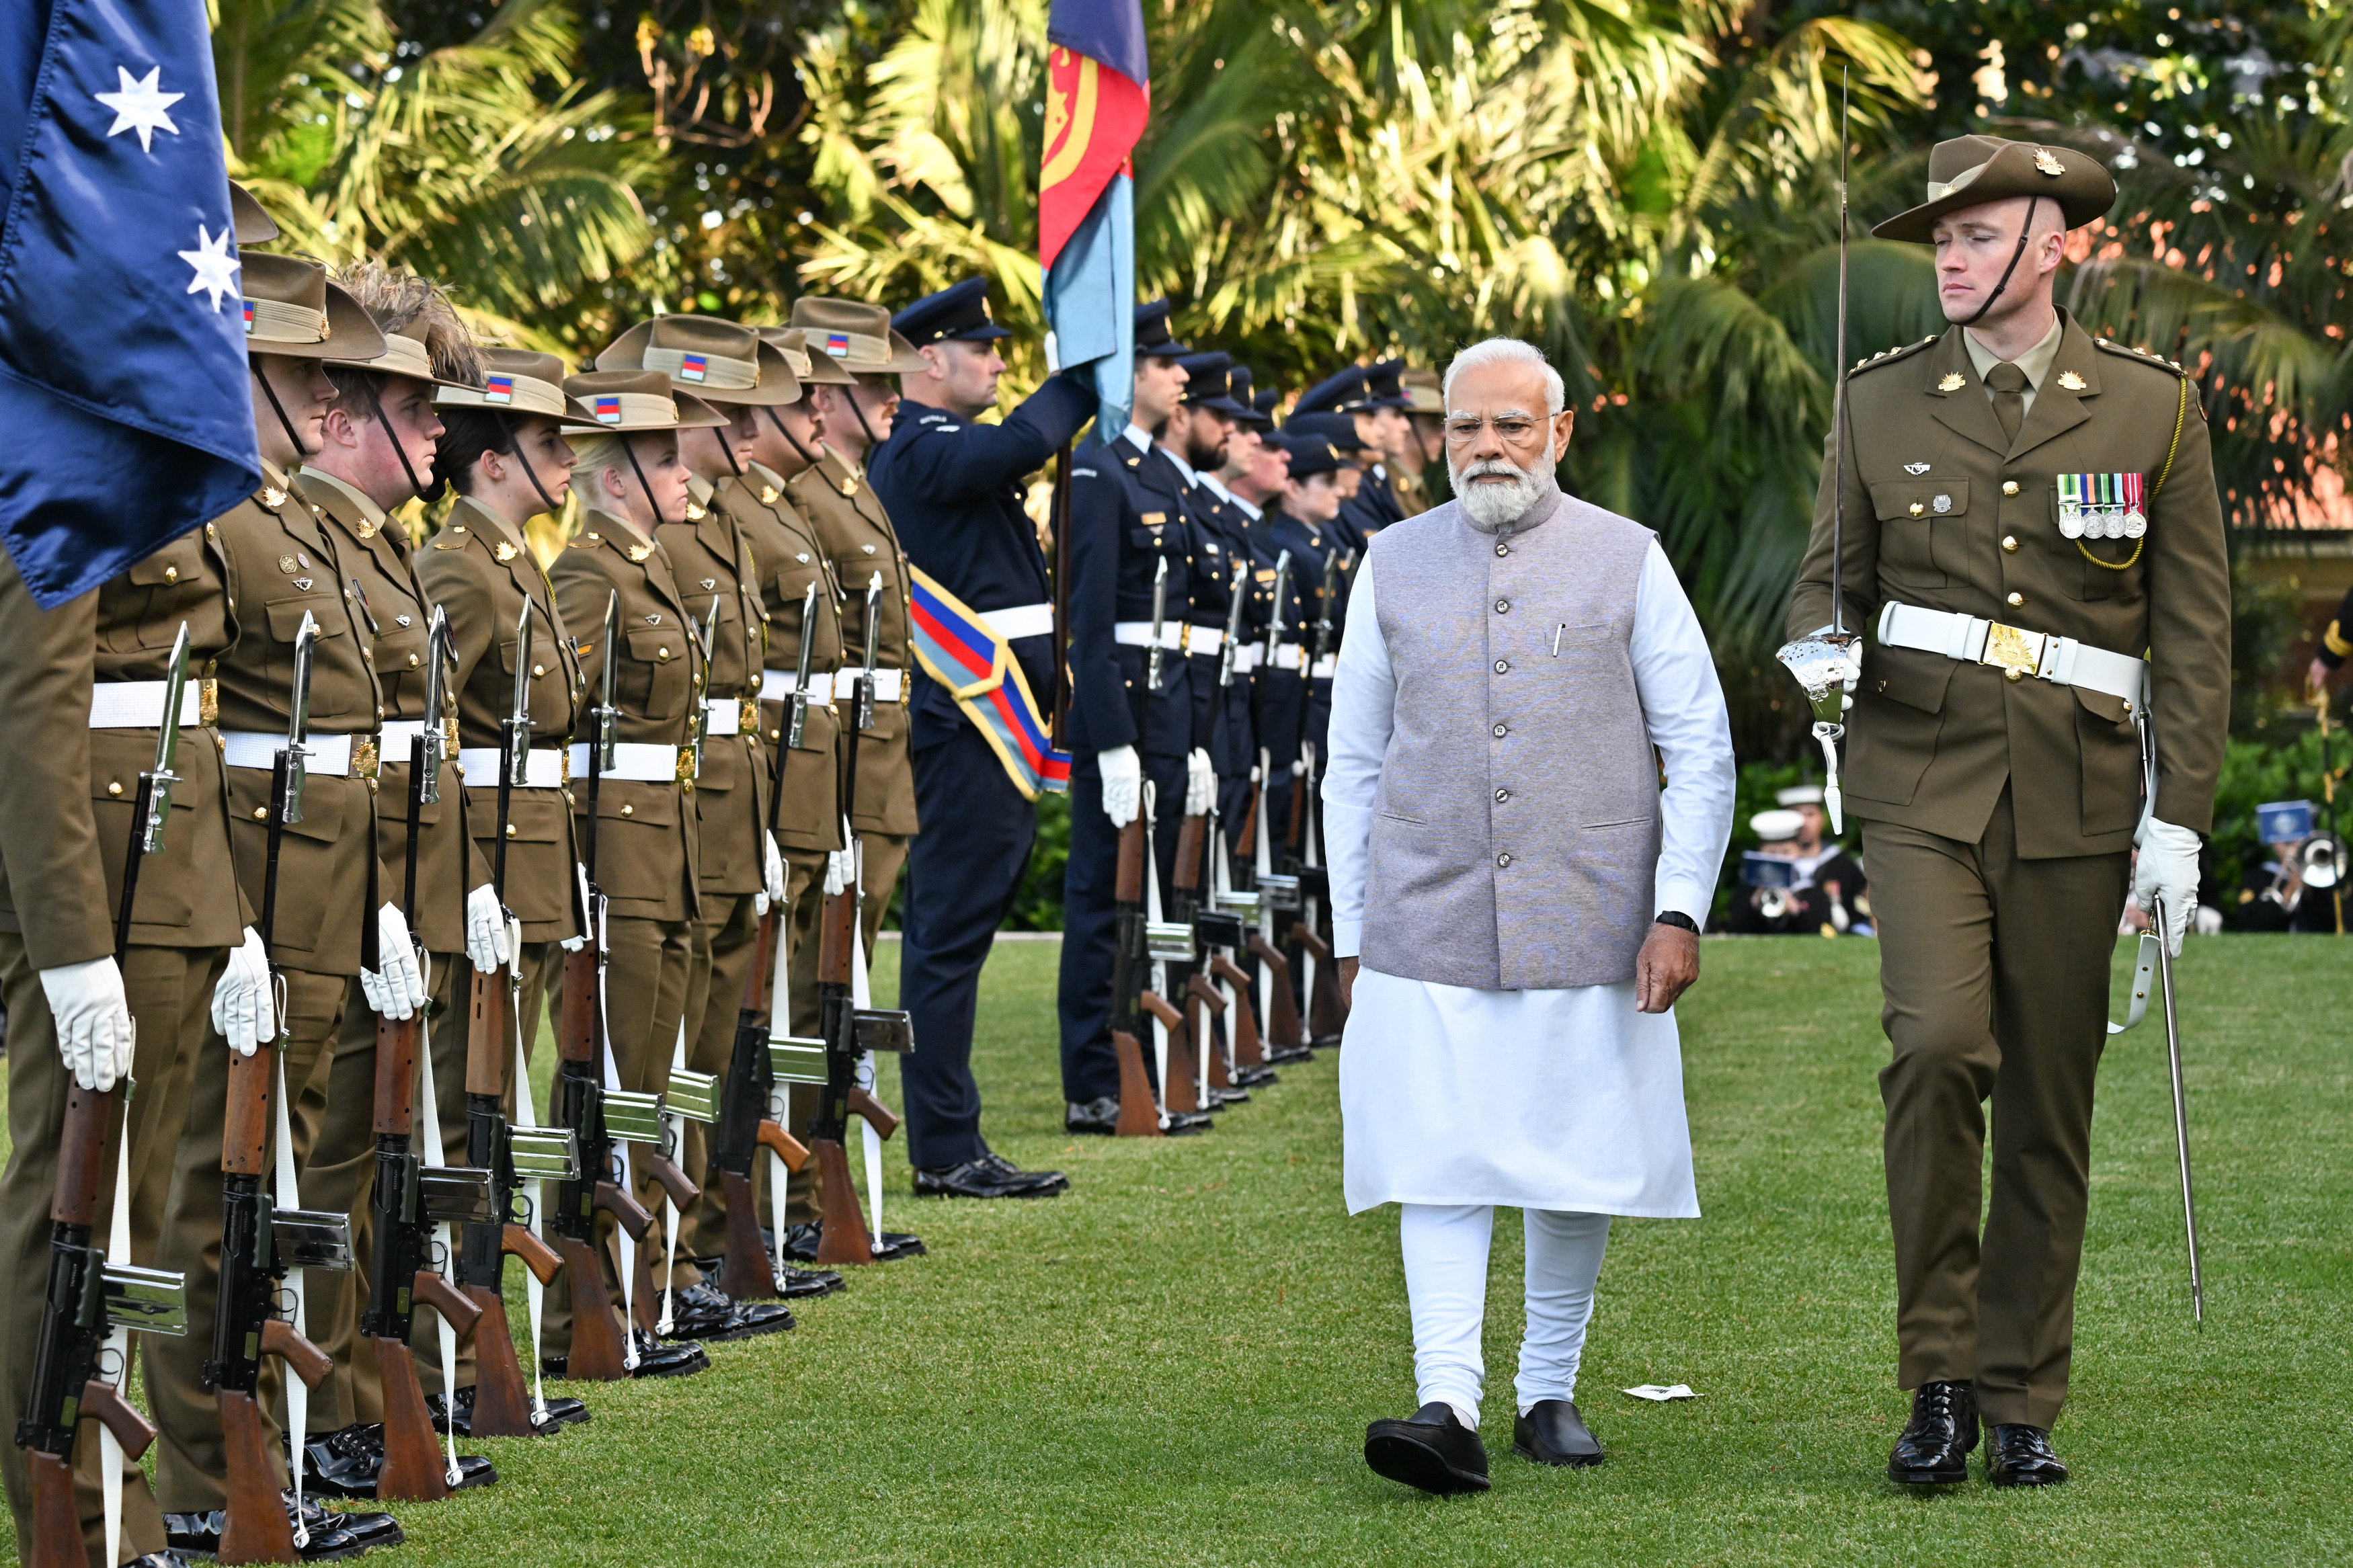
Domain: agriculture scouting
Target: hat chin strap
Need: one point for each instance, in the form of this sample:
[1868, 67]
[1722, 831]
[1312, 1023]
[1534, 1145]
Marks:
[2024, 233]
[506, 423]
[630, 452]
[278, 408]
[785, 431]
[850, 395]
[423, 491]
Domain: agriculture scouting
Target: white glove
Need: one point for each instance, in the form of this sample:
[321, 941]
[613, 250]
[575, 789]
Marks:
[573, 943]
[1122, 783]
[1201, 783]
[243, 1007]
[2209, 920]
[2168, 868]
[773, 894]
[486, 930]
[398, 990]
[93, 1020]
[839, 868]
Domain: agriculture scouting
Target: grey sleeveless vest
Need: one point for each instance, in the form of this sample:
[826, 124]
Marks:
[1515, 834]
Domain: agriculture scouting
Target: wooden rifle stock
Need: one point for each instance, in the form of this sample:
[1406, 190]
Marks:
[787, 1148]
[682, 1188]
[747, 1271]
[842, 1237]
[1180, 1092]
[1244, 1024]
[1282, 1023]
[1327, 1015]
[1129, 889]
[303, 1359]
[1200, 994]
[486, 1035]
[412, 1468]
[628, 1213]
[257, 1529]
[596, 1348]
[521, 1241]
[576, 1034]
[1139, 1116]
[1192, 835]
[501, 1399]
[1139, 1112]
[396, 1077]
[878, 1115]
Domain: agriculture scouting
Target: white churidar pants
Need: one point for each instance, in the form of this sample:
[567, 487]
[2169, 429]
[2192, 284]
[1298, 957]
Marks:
[1445, 1248]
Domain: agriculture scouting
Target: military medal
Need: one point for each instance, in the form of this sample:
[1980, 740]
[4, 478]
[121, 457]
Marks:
[2071, 506]
[2136, 517]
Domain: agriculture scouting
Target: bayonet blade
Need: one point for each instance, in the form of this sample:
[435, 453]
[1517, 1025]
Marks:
[873, 628]
[439, 656]
[801, 668]
[606, 711]
[298, 720]
[167, 743]
[1159, 614]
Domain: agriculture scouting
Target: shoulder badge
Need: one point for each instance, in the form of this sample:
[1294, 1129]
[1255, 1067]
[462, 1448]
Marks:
[507, 552]
[2143, 355]
[1890, 356]
[587, 540]
[450, 538]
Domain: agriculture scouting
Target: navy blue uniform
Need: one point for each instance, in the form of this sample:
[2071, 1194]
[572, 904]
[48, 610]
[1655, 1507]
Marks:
[1126, 516]
[1279, 716]
[954, 490]
[1222, 528]
[1372, 509]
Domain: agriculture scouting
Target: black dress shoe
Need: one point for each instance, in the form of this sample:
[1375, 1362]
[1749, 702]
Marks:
[790, 1283]
[730, 1319]
[199, 1535]
[655, 1359]
[1256, 1078]
[2020, 1456]
[167, 1558]
[344, 1463]
[1552, 1433]
[1053, 1180]
[1430, 1450]
[801, 1241]
[1933, 1451]
[560, 1413]
[369, 1529]
[1099, 1117]
[1182, 1123]
[987, 1178]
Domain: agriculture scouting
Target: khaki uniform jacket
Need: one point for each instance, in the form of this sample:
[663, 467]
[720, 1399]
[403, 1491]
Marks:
[394, 611]
[731, 788]
[481, 573]
[786, 559]
[1944, 514]
[123, 632]
[647, 839]
[281, 565]
[857, 538]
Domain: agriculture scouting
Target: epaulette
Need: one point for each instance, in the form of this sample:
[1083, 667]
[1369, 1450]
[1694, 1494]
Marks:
[1888, 356]
[453, 537]
[587, 540]
[2157, 362]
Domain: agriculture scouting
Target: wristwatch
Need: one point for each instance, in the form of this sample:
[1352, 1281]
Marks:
[1677, 918]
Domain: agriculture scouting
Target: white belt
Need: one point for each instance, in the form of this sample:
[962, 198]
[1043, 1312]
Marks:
[776, 686]
[723, 716]
[1204, 641]
[328, 756]
[635, 759]
[1138, 633]
[2063, 661]
[887, 683]
[1248, 656]
[543, 767]
[139, 704]
[1290, 656]
[1325, 668]
[1021, 621]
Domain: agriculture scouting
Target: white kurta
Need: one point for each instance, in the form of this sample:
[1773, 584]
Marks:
[1551, 1099]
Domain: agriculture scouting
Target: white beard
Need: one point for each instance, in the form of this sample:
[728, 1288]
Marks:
[1488, 507]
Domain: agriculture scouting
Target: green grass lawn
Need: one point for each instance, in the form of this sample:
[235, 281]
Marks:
[1174, 1362]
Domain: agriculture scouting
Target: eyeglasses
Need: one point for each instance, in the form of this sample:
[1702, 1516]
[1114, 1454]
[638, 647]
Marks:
[1512, 429]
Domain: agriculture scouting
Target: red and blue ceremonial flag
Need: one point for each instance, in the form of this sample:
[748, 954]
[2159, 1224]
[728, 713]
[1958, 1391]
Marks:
[963, 653]
[1098, 101]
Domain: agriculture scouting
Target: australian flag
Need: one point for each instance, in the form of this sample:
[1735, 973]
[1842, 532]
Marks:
[123, 370]
[1098, 100]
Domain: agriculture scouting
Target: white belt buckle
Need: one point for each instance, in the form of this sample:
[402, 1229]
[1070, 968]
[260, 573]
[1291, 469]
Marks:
[2013, 650]
[724, 715]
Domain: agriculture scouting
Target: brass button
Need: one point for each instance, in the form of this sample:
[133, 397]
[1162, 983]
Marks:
[629, 811]
[537, 671]
[171, 574]
[413, 662]
[2015, 674]
[114, 788]
[2009, 487]
[260, 814]
[2015, 600]
[510, 830]
[661, 653]
[776, 734]
[2010, 542]
[1916, 508]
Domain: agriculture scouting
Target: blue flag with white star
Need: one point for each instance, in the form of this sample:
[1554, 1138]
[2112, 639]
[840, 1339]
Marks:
[122, 376]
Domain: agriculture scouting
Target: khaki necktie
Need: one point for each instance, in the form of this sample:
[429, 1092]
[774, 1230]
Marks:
[2008, 384]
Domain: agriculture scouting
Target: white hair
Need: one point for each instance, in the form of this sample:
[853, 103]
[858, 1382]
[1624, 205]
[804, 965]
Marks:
[1494, 351]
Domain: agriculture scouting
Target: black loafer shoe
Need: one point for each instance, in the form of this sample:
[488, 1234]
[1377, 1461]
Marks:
[1933, 1451]
[1552, 1433]
[1099, 1117]
[1430, 1450]
[981, 1179]
[199, 1535]
[1052, 1181]
[2020, 1456]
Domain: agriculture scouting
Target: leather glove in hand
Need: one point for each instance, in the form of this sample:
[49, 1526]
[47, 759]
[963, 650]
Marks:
[486, 930]
[773, 894]
[93, 1020]
[1122, 783]
[244, 1009]
[1201, 783]
[2168, 868]
[396, 990]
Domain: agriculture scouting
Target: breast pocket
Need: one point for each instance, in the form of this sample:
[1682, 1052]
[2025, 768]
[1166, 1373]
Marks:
[284, 617]
[653, 674]
[156, 579]
[2096, 569]
[1922, 530]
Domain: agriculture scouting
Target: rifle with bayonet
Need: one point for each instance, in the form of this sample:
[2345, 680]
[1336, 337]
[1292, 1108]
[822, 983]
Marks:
[850, 1031]
[600, 1350]
[1278, 891]
[92, 1299]
[746, 1126]
[1319, 978]
[260, 1241]
[412, 1200]
[512, 1155]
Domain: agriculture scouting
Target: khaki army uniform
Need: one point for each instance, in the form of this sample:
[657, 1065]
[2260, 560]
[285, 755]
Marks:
[733, 789]
[69, 870]
[281, 566]
[1998, 807]
[480, 574]
[648, 840]
[856, 537]
[377, 563]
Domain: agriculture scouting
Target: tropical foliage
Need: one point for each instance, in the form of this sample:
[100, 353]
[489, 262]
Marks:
[1647, 187]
